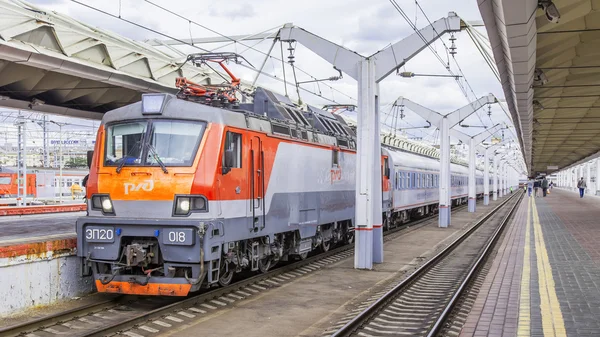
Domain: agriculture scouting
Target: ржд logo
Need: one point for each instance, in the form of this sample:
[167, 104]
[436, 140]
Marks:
[146, 185]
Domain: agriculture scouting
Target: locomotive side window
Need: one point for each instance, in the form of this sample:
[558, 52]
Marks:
[335, 158]
[232, 156]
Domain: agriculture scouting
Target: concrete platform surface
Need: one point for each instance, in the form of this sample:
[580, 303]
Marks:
[545, 279]
[37, 227]
[314, 304]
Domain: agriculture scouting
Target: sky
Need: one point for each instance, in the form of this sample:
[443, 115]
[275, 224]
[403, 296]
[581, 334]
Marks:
[364, 27]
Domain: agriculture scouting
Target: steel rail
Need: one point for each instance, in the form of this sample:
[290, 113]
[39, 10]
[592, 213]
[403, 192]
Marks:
[476, 266]
[372, 309]
[66, 315]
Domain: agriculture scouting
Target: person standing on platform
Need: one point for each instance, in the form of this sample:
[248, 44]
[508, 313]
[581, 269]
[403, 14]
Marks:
[530, 186]
[544, 186]
[536, 187]
[581, 185]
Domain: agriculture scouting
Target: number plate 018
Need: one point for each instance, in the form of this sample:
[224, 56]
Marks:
[178, 237]
[100, 234]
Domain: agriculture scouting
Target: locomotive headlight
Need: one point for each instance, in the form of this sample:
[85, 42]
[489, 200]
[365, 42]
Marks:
[107, 205]
[182, 206]
[102, 202]
[186, 204]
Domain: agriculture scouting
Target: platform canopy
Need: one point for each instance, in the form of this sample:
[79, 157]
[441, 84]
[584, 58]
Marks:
[548, 55]
[52, 63]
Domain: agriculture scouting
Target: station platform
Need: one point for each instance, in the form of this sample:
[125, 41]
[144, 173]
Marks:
[17, 229]
[545, 278]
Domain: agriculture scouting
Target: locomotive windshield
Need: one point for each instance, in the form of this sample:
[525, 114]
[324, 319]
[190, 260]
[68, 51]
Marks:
[4, 180]
[152, 142]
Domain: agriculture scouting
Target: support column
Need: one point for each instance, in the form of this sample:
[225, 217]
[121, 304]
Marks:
[368, 167]
[471, 186]
[495, 179]
[444, 210]
[45, 140]
[501, 179]
[559, 182]
[21, 161]
[377, 179]
[486, 177]
[505, 173]
[588, 178]
[597, 176]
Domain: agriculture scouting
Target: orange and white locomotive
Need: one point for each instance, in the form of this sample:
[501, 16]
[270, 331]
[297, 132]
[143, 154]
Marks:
[183, 194]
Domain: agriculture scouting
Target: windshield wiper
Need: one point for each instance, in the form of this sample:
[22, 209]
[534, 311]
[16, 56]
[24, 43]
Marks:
[157, 158]
[124, 159]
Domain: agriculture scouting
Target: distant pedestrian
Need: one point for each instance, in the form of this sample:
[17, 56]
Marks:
[581, 185]
[551, 184]
[544, 186]
[536, 187]
[530, 186]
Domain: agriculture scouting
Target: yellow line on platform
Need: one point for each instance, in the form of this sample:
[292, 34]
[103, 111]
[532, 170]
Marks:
[524, 328]
[552, 318]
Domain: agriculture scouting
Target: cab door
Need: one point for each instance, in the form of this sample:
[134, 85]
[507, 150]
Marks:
[257, 184]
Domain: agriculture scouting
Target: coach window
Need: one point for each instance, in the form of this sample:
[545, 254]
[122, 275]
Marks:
[232, 156]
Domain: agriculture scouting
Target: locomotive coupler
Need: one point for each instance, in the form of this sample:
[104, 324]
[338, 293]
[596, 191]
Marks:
[135, 254]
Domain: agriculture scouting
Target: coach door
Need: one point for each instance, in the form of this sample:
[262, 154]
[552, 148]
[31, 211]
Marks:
[257, 184]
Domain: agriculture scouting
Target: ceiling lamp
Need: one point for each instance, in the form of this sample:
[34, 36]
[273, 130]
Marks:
[550, 9]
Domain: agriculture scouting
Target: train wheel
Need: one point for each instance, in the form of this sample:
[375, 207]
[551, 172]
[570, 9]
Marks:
[325, 245]
[226, 276]
[350, 237]
[264, 264]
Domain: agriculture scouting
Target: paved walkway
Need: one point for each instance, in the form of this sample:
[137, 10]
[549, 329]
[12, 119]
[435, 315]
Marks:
[545, 280]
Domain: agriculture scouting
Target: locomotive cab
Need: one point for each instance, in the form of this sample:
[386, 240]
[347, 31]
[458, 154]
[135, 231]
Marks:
[150, 182]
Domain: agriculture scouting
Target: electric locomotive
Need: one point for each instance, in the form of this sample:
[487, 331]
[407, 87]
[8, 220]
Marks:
[186, 190]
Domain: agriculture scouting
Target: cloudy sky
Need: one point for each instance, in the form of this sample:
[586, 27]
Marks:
[365, 27]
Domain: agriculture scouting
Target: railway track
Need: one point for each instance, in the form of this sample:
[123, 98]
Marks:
[420, 304]
[119, 313]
